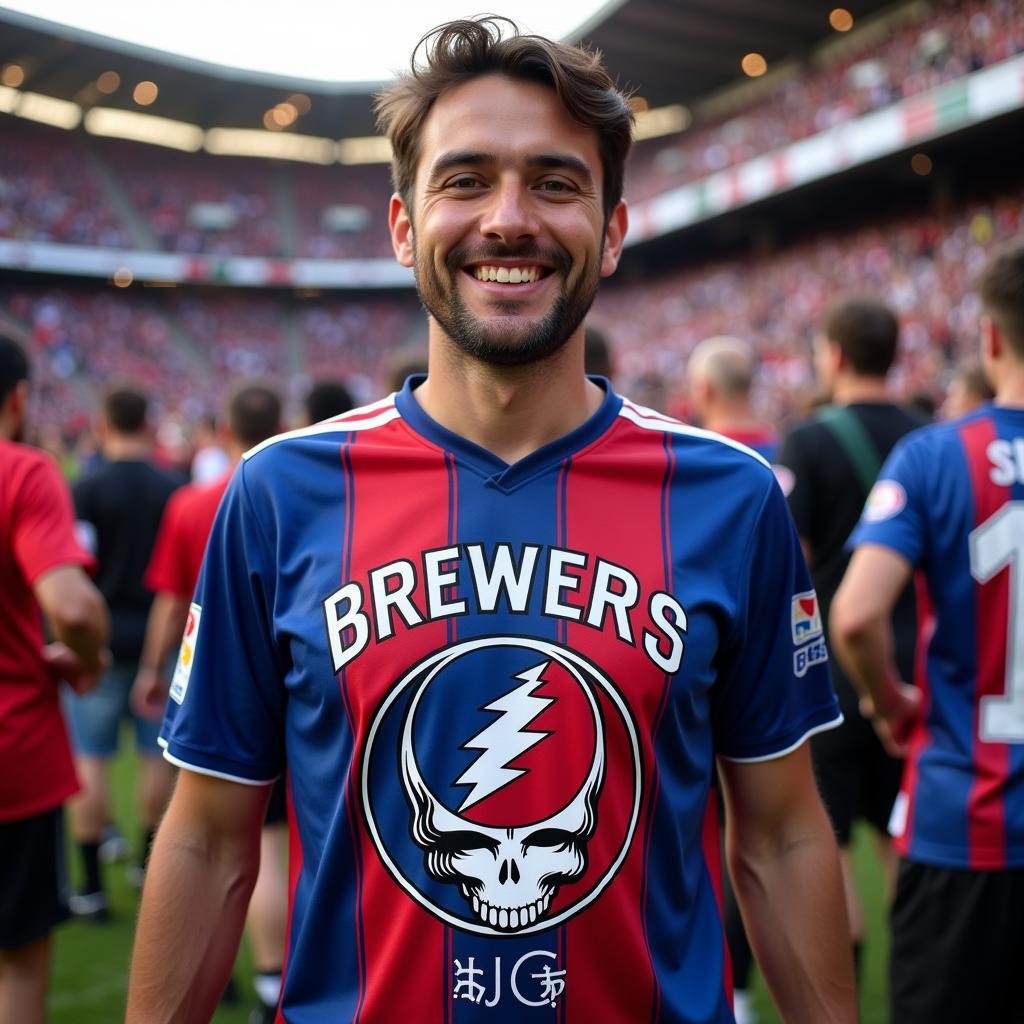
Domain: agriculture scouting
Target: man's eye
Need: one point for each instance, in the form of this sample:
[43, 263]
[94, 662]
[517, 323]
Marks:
[556, 186]
[465, 183]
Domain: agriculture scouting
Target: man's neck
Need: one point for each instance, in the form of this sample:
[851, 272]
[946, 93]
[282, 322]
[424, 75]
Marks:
[1010, 389]
[124, 447]
[849, 389]
[510, 411]
[729, 418]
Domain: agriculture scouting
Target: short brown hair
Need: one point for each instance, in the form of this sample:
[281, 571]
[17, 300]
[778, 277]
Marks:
[1001, 287]
[867, 331]
[460, 51]
[254, 413]
[125, 409]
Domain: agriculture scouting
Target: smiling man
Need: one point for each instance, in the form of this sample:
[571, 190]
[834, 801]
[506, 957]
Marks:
[500, 627]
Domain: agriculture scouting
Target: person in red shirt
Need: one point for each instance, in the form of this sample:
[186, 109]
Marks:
[254, 414]
[42, 568]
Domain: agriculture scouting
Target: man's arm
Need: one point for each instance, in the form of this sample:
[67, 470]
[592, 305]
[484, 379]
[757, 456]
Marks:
[198, 882]
[166, 623]
[79, 621]
[860, 627]
[785, 867]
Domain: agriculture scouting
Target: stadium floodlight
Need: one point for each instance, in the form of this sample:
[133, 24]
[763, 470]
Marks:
[366, 149]
[656, 121]
[275, 145]
[157, 131]
[34, 106]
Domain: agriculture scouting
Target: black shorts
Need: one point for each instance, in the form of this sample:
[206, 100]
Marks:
[957, 944]
[277, 806]
[856, 777]
[33, 878]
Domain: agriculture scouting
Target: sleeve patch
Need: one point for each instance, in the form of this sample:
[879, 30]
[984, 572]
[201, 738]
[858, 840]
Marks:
[805, 618]
[186, 654]
[887, 499]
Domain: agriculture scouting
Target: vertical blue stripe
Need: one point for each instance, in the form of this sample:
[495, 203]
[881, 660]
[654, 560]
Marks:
[666, 545]
[351, 811]
[683, 926]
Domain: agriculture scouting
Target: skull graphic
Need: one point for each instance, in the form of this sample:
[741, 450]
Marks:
[508, 875]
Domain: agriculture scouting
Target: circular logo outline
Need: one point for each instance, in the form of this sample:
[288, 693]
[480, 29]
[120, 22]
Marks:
[437, 661]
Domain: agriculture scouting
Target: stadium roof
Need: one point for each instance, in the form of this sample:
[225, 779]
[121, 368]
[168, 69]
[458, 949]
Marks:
[666, 50]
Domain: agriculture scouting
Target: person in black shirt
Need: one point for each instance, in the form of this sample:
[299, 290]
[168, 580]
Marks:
[827, 465]
[118, 506]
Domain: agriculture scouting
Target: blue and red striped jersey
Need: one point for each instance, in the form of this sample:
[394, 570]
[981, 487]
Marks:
[499, 691]
[950, 499]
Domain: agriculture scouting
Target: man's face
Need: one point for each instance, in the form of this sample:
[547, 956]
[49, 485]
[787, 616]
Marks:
[507, 235]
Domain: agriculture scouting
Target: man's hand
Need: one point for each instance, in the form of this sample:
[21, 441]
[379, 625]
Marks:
[894, 718]
[149, 694]
[65, 665]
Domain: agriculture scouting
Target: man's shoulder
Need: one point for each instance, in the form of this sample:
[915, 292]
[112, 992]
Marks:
[694, 441]
[327, 434]
[15, 456]
[19, 461]
[806, 432]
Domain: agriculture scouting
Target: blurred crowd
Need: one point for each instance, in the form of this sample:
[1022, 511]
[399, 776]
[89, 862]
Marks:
[936, 45]
[922, 266]
[58, 186]
[185, 346]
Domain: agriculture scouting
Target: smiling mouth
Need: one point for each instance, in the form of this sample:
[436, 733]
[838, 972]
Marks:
[508, 275]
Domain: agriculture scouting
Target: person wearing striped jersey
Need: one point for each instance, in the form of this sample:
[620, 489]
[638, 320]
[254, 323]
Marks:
[948, 507]
[499, 626]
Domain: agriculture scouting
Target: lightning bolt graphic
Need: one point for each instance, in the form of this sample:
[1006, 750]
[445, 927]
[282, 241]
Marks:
[505, 738]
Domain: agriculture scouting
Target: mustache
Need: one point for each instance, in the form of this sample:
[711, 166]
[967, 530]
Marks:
[462, 255]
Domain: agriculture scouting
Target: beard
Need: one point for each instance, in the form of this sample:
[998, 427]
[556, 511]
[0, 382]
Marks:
[522, 341]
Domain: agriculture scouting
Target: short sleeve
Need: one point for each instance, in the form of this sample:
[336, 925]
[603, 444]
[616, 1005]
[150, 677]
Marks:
[794, 469]
[893, 515]
[43, 531]
[774, 688]
[226, 709]
[167, 572]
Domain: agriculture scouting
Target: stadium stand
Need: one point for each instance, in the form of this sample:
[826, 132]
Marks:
[200, 204]
[935, 47]
[47, 190]
[922, 265]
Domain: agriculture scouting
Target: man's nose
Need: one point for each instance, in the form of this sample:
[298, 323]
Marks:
[510, 214]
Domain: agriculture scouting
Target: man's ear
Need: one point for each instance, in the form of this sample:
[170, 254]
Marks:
[991, 339]
[400, 226]
[614, 236]
[16, 403]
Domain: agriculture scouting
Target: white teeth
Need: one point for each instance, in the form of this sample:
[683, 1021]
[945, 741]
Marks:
[507, 275]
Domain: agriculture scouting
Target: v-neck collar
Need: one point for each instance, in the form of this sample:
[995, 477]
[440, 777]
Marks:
[498, 472]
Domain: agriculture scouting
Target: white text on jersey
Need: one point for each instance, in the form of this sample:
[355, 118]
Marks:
[576, 586]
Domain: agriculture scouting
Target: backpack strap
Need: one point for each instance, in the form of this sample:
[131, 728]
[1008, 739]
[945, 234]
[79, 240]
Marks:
[850, 434]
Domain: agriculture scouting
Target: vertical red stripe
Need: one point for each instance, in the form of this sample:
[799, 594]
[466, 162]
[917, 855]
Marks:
[624, 526]
[920, 738]
[404, 944]
[986, 822]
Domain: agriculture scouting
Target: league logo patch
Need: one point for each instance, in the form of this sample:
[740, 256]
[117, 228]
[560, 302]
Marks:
[806, 617]
[501, 784]
[186, 654]
[887, 499]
